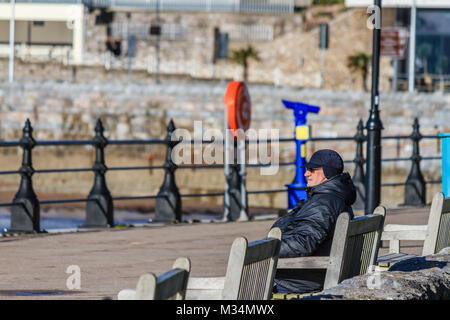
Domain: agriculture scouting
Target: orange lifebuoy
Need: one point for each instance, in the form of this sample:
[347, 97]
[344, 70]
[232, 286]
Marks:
[237, 100]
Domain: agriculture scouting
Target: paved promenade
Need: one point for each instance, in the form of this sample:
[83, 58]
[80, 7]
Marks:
[34, 266]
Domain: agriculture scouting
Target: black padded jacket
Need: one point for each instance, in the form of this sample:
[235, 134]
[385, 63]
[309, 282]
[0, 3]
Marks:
[307, 230]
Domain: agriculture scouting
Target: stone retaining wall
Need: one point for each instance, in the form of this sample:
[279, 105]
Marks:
[141, 109]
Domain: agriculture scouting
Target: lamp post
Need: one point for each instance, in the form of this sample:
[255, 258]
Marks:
[11, 42]
[374, 125]
[158, 39]
[412, 48]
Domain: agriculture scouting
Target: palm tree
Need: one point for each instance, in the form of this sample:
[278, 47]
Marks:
[441, 68]
[423, 52]
[360, 63]
[241, 56]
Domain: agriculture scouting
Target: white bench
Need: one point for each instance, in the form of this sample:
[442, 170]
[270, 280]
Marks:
[396, 232]
[436, 234]
[353, 251]
[250, 272]
[170, 285]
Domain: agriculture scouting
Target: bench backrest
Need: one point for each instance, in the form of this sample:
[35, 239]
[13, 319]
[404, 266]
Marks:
[355, 246]
[251, 268]
[438, 230]
[170, 285]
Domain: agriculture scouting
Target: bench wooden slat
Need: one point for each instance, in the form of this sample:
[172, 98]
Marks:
[389, 256]
[443, 238]
[210, 294]
[167, 286]
[389, 259]
[170, 284]
[207, 288]
[404, 232]
[213, 283]
[354, 248]
[262, 249]
[360, 225]
[395, 257]
[436, 234]
[303, 263]
[251, 268]
[250, 272]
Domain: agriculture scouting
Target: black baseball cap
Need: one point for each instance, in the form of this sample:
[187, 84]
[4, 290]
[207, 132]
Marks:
[329, 160]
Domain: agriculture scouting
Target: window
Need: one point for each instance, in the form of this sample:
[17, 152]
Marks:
[433, 42]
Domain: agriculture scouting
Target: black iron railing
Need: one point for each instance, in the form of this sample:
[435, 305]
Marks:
[25, 207]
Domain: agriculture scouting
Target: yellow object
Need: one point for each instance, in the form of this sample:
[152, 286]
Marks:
[302, 132]
[288, 296]
[303, 150]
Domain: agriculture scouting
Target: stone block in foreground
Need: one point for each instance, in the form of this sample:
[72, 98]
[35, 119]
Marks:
[419, 278]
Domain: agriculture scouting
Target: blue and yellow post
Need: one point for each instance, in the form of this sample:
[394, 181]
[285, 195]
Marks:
[296, 190]
[445, 139]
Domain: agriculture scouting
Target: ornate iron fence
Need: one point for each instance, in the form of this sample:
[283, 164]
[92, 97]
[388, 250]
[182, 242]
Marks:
[25, 207]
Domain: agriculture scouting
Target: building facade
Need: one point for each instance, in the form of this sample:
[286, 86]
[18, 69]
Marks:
[117, 35]
[428, 21]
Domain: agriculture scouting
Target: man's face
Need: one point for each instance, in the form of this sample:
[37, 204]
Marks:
[315, 177]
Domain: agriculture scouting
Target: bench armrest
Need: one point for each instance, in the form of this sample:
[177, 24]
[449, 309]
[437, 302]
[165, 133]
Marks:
[396, 232]
[303, 263]
[127, 294]
[404, 232]
[208, 288]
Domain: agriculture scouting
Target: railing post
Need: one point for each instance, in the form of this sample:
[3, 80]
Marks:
[238, 211]
[99, 207]
[168, 203]
[358, 175]
[243, 216]
[25, 215]
[415, 188]
[374, 127]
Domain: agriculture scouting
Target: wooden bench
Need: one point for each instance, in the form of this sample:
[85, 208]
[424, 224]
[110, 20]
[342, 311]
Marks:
[436, 234]
[353, 250]
[250, 272]
[396, 232]
[170, 285]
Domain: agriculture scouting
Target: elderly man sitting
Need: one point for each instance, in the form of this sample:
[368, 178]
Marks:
[308, 229]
